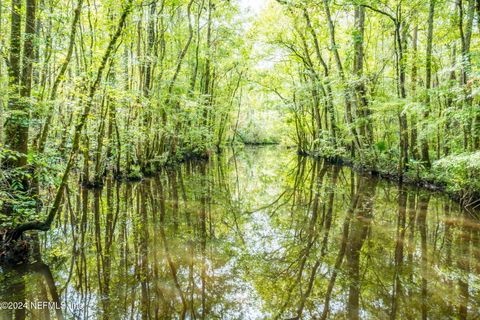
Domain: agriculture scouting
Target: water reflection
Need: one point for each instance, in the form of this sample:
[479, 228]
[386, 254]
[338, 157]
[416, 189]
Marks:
[255, 234]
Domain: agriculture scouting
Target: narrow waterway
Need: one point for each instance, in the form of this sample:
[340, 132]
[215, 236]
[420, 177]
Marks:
[258, 233]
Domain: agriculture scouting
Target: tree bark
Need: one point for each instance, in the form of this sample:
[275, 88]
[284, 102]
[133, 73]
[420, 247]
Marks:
[366, 129]
[45, 225]
[59, 78]
[328, 88]
[338, 61]
[16, 123]
[465, 38]
[413, 119]
[428, 82]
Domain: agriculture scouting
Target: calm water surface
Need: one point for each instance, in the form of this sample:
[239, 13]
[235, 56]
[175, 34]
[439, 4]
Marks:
[255, 234]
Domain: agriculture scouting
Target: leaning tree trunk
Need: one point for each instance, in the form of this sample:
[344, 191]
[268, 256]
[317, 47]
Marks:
[59, 78]
[112, 46]
[328, 88]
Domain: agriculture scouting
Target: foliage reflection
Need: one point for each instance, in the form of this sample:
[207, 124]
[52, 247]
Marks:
[257, 233]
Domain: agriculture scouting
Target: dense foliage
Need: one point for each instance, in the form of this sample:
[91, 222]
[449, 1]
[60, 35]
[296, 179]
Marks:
[120, 87]
[392, 85]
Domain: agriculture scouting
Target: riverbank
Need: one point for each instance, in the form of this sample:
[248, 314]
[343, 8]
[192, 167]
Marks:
[453, 175]
[458, 176]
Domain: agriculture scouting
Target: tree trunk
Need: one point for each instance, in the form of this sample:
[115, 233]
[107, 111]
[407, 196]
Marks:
[360, 88]
[53, 94]
[45, 225]
[401, 43]
[347, 96]
[413, 119]
[465, 37]
[16, 124]
[428, 82]
[328, 88]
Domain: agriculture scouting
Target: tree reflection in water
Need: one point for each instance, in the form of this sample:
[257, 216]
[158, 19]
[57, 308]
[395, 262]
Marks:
[258, 233]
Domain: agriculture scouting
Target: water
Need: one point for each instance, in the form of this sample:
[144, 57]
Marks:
[256, 234]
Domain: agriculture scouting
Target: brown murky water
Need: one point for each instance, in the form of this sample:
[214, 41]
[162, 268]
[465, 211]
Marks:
[259, 234]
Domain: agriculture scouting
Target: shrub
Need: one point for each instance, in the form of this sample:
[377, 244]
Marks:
[460, 173]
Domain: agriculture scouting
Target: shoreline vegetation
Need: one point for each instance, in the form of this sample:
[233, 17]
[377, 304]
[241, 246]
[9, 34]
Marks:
[443, 177]
[124, 88]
